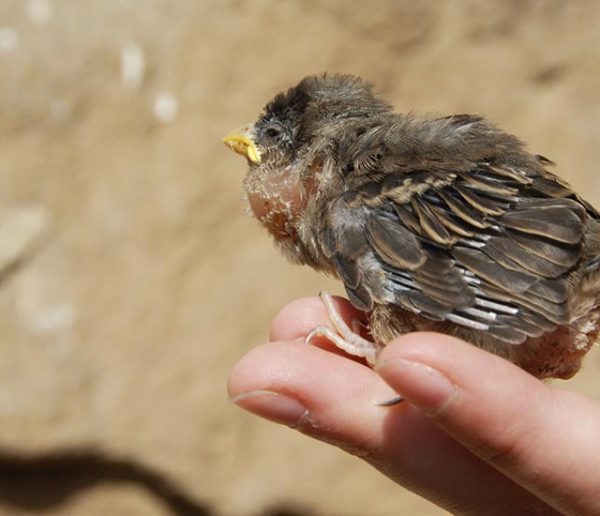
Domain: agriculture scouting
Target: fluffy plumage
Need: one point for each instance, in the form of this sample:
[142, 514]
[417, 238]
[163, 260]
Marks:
[444, 224]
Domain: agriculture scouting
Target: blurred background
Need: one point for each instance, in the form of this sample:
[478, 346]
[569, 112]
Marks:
[131, 279]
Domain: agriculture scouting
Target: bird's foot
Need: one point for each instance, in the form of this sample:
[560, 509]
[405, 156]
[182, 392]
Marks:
[349, 340]
[345, 338]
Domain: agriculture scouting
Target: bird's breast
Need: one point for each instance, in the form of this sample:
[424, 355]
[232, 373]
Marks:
[275, 200]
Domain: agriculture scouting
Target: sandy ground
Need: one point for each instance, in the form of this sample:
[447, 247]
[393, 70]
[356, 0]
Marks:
[132, 280]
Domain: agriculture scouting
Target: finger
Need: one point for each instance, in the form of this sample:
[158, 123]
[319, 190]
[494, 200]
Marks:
[544, 439]
[332, 399]
[299, 317]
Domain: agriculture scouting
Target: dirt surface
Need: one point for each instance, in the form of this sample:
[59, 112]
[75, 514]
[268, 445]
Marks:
[131, 279]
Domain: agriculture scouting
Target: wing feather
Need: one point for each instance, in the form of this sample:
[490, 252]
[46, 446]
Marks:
[394, 243]
[489, 248]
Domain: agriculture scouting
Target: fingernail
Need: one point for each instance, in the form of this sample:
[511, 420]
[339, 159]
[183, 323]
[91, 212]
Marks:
[271, 405]
[420, 384]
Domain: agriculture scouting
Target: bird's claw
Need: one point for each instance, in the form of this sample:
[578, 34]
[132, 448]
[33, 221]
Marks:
[342, 336]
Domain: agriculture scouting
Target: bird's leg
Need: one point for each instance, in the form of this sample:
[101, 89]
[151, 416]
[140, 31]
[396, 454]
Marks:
[343, 337]
[349, 340]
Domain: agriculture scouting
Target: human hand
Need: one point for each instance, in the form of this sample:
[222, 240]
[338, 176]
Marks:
[476, 435]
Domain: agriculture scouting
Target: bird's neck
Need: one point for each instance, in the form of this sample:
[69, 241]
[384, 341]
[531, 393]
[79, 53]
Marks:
[274, 198]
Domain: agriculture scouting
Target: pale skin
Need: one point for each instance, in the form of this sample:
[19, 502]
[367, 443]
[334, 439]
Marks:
[476, 434]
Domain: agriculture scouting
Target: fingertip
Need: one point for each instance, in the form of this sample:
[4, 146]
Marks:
[243, 377]
[423, 386]
[297, 368]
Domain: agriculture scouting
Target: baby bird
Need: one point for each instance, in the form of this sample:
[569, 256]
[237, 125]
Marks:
[438, 224]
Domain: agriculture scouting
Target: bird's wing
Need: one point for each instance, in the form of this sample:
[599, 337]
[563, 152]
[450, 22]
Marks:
[487, 248]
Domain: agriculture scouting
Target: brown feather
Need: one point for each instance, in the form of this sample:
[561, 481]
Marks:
[394, 243]
[551, 290]
[464, 212]
[565, 256]
[523, 325]
[360, 297]
[489, 186]
[348, 270]
[521, 258]
[485, 206]
[451, 222]
[555, 313]
[425, 304]
[408, 218]
[551, 186]
[431, 226]
[554, 223]
[509, 173]
[478, 263]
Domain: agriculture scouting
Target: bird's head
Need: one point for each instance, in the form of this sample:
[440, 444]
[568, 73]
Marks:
[285, 146]
[291, 122]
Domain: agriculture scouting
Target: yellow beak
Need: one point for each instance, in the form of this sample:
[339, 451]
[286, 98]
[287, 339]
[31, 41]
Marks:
[240, 141]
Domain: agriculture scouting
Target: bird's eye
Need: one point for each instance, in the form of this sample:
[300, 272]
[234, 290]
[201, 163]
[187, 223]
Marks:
[273, 132]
